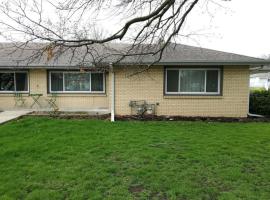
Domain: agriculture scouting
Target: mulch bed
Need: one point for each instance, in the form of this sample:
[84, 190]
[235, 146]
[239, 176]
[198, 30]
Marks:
[85, 115]
[70, 115]
[184, 118]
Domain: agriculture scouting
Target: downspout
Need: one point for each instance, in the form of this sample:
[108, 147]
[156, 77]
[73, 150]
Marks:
[112, 93]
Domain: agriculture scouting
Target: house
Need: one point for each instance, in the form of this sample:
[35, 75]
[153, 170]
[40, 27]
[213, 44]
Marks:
[260, 80]
[260, 77]
[187, 81]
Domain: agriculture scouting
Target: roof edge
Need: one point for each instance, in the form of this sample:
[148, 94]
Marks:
[187, 63]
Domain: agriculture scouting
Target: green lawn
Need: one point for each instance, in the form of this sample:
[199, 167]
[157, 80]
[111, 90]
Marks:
[42, 158]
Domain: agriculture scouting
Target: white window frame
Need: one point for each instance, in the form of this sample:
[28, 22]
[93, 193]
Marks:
[15, 91]
[73, 72]
[205, 81]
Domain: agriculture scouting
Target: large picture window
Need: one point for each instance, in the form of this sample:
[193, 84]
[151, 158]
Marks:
[192, 81]
[76, 82]
[13, 82]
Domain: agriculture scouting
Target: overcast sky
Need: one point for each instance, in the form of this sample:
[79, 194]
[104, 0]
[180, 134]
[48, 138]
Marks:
[242, 27]
[238, 26]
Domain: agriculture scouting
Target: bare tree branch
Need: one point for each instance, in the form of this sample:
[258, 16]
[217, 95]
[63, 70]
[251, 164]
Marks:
[149, 27]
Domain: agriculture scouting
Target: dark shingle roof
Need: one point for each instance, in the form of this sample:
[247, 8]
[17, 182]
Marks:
[174, 54]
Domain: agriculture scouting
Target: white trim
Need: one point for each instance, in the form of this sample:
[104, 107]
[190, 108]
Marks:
[112, 94]
[205, 81]
[77, 92]
[14, 77]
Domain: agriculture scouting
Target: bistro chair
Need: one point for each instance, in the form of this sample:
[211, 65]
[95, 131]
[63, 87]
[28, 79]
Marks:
[19, 100]
[52, 102]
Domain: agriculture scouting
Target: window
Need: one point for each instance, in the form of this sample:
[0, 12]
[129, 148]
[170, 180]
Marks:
[57, 83]
[13, 82]
[77, 82]
[192, 81]
[96, 82]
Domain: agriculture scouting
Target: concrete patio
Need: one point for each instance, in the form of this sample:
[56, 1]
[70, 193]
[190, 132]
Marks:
[6, 116]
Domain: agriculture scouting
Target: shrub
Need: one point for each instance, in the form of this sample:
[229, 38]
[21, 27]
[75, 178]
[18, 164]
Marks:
[260, 102]
[257, 89]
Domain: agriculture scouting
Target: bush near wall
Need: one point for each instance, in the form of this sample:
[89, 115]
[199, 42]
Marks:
[260, 102]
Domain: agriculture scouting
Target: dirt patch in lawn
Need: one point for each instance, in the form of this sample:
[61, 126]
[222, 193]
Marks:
[135, 189]
[70, 115]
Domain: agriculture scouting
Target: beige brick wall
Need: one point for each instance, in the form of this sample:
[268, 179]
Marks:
[149, 86]
[38, 84]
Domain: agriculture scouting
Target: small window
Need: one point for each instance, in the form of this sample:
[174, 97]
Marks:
[13, 82]
[192, 81]
[70, 82]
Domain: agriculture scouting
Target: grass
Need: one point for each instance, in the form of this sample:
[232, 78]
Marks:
[42, 158]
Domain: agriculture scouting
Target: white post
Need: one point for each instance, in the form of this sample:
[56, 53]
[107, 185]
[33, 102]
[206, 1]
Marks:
[112, 93]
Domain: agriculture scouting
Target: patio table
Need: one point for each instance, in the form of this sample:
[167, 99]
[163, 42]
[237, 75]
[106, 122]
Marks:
[35, 98]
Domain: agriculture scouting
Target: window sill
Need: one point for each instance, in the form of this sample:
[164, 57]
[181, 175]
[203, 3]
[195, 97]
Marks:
[192, 97]
[10, 94]
[79, 95]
